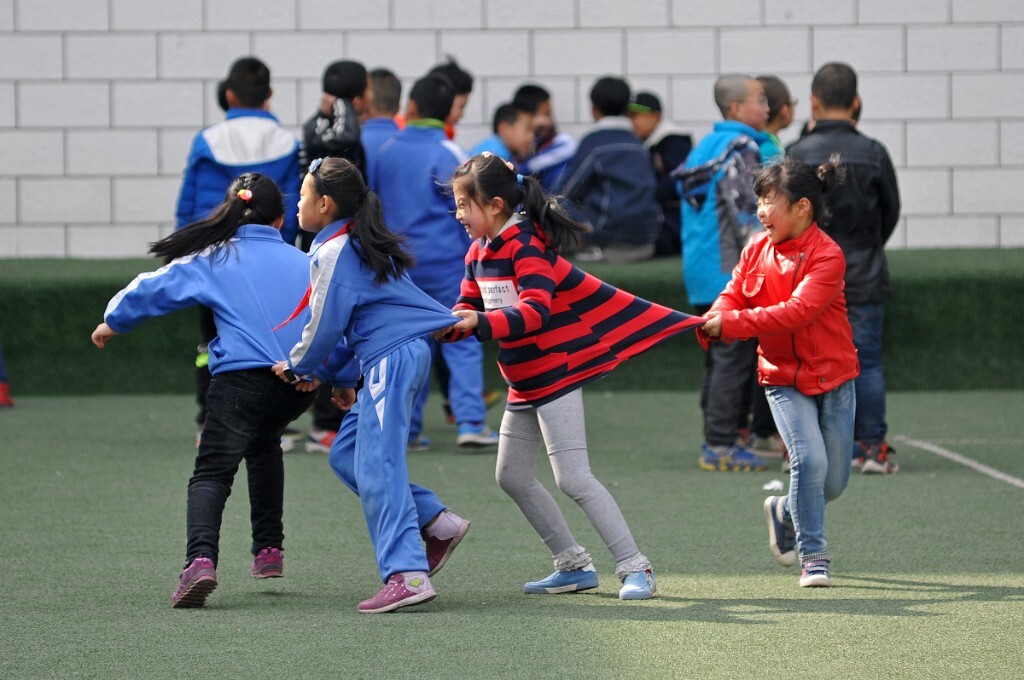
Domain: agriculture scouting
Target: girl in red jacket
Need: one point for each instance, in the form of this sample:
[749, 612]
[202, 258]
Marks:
[787, 291]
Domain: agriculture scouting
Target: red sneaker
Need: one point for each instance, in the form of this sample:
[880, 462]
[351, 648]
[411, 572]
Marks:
[403, 589]
[439, 550]
[268, 563]
[195, 584]
[5, 396]
[319, 441]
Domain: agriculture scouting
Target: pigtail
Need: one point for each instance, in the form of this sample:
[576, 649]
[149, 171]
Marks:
[559, 227]
[831, 173]
[251, 199]
[380, 249]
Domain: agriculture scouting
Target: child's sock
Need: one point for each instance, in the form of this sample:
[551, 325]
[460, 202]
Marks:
[445, 526]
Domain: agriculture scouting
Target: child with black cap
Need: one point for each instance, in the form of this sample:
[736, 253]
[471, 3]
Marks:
[668, 147]
[334, 129]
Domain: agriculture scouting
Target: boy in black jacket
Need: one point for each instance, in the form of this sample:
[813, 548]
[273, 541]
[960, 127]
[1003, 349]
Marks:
[865, 210]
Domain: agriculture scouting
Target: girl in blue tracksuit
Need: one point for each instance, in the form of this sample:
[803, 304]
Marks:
[367, 317]
[235, 263]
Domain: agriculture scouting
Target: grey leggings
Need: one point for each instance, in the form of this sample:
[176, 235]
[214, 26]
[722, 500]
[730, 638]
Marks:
[559, 426]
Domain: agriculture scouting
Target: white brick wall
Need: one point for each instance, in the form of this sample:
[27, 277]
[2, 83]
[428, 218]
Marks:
[100, 99]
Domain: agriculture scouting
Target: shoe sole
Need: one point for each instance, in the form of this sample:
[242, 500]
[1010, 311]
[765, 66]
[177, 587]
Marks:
[268, 573]
[873, 467]
[195, 595]
[816, 582]
[640, 595]
[724, 466]
[474, 443]
[786, 559]
[317, 448]
[418, 598]
[463, 530]
[572, 588]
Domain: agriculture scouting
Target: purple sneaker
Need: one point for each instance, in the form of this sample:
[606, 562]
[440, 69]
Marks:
[268, 563]
[439, 550]
[196, 583]
[402, 590]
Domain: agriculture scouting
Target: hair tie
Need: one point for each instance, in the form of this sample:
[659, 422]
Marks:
[519, 180]
[245, 195]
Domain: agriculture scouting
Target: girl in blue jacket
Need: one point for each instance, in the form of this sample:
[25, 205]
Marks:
[368, 318]
[235, 263]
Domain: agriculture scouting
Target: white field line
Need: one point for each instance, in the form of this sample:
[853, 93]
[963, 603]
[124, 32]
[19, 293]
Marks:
[963, 460]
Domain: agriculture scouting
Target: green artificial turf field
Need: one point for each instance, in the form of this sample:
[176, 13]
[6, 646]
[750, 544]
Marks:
[928, 564]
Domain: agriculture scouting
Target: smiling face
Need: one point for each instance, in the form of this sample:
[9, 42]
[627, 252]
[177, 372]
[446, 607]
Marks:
[479, 220]
[781, 219]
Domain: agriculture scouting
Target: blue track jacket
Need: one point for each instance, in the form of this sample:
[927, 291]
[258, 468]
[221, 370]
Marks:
[249, 140]
[251, 284]
[352, 316]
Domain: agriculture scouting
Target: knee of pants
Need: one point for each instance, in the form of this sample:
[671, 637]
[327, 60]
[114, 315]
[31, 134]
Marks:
[834, 488]
[512, 481]
[342, 463]
[576, 487]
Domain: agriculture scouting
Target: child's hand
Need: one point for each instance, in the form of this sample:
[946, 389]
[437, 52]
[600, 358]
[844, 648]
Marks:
[440, 335]
[308, 384]
[279, 368]
[343, 397]
[102, 333]
[469, 320]
[713, 324]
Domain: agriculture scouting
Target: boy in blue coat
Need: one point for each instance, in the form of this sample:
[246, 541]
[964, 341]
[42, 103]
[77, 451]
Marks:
[410, 176]
[719, 215]
[249, 140]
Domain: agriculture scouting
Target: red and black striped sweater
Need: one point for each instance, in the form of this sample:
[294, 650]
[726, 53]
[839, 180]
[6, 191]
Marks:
[558, 327]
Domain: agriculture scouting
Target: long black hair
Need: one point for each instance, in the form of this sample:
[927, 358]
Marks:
[251, 199]
[486, 176]
[380, 249]
[793, 180]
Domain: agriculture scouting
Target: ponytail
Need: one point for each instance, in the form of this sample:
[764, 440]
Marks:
[379, 248]
[251, 199]
[486, 176]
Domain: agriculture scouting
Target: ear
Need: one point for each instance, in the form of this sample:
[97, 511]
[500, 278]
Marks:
[498, 206]
[412, 112]
[278, 223]
[232, 99]
[803, 207]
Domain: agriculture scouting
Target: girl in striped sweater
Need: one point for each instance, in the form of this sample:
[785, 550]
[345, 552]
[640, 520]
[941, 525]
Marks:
[558, 329]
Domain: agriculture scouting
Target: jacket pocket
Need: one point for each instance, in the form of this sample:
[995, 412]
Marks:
[752, 284]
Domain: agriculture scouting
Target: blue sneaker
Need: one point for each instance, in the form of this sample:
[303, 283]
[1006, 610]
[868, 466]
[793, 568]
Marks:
[564, 582]
[471, 435]
[781, 536]
[639, 585]
[736, 459]
[815, 575]
[417, 444]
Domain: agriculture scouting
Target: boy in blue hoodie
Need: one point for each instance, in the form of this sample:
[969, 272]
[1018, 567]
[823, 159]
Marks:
[410, 175]
[250, 139]
[719, 215]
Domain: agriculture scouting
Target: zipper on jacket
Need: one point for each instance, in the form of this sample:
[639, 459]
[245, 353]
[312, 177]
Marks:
[799, 362]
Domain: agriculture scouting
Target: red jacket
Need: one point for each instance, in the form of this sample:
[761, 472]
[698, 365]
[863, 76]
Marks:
[790, 296]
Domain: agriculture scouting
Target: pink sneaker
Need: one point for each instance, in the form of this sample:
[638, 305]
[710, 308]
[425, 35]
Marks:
[268, 563]
[196, 583]
[439, 550]
[402, 590]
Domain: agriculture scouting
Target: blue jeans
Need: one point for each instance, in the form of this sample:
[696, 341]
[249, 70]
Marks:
[817, 431]
[246, 412]
[869, 426]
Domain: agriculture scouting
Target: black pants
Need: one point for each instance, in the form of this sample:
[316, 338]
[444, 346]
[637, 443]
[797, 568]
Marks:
[246, 413]
[729, 392]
